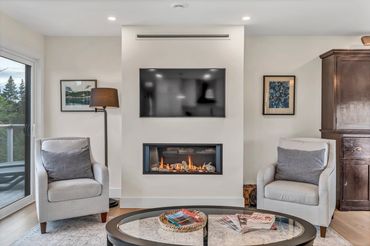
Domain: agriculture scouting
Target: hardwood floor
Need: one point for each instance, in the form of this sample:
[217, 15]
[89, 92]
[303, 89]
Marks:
[353, 226]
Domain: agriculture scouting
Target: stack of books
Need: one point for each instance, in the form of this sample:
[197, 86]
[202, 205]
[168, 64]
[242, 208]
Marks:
[183, 217]
[243, 223]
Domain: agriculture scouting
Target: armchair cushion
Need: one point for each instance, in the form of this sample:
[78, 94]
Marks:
[67, 165]
[73, 189]
[299, 165]
[303, 144]
[295, 192]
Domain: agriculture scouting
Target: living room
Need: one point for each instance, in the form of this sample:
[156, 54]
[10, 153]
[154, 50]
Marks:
[213, 108]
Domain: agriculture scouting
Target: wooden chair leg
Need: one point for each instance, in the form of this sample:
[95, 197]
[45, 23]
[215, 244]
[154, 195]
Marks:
[103, 217]
[322, 231]
[43, 227]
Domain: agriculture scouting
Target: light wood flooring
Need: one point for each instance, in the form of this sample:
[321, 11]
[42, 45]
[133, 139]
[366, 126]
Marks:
[353, 226]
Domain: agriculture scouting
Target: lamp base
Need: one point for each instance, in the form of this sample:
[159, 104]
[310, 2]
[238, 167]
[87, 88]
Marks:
[113, 203]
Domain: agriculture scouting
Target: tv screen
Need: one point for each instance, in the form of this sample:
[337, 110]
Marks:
[182, 92]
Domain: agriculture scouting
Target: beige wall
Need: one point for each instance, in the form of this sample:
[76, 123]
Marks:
[85, 58]
[276, 55]
[140, 190]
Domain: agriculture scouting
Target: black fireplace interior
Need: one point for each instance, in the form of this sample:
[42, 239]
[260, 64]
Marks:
[182, 158]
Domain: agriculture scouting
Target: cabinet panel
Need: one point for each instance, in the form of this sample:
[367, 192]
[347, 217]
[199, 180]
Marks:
[356, 148]
[356, 181]
[353, 94]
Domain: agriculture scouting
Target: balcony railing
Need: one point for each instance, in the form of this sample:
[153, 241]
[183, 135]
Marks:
[12, 172]
[10, 139]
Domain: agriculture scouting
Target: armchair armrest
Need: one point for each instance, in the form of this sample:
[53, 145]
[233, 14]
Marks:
[325, 177]
[327, 195]
[101, 174]
[42, 186]
[264, 177]
[41, 181]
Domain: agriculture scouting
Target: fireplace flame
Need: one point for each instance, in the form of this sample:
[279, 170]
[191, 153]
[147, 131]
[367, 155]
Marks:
[184, 166]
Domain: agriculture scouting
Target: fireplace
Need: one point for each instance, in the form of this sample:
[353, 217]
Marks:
[182, 158]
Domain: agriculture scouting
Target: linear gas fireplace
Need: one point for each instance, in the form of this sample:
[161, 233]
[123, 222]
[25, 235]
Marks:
[182, 158]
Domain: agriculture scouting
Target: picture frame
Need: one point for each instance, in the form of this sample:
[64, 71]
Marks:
[75, 95]
[279, 94]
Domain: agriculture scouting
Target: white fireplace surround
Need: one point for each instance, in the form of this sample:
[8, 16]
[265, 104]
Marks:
[140, 190]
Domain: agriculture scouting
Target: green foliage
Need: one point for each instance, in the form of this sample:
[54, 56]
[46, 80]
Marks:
[10, 92]
[12, 111]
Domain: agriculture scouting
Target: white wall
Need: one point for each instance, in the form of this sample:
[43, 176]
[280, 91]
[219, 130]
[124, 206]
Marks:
[18, 40]
[140, 190]
[20, 43]
[85, 58]
[274, 55]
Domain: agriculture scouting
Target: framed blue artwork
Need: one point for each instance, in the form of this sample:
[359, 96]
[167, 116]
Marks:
[278, 94]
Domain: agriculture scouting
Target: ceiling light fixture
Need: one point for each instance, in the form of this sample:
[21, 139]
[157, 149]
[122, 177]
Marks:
[111, 18]
[366, 40]
[246, 18]
[158, 75]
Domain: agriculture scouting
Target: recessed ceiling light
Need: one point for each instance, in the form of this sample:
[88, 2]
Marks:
[111, 18]
[158, 75]
[246, 18]
[152, 69]
[179, 5]
[213, 70]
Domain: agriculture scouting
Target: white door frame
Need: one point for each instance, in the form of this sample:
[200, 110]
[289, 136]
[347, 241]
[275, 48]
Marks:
[36, 110]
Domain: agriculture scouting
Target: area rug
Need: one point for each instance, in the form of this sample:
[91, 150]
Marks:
[89, 230]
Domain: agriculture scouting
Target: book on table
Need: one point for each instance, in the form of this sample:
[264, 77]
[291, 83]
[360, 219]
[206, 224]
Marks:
[183, 217]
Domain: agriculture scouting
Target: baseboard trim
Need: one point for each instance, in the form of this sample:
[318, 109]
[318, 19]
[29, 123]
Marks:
[150, 202]
[115, 193]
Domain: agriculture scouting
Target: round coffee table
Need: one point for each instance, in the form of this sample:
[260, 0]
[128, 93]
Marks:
[142, 228]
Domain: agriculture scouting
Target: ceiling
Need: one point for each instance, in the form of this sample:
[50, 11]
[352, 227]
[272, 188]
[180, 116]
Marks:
[268, 17]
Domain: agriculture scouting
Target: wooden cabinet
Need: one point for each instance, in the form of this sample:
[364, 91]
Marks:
[346, 118]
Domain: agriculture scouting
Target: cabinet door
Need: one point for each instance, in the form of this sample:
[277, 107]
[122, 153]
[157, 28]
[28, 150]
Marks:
[356, 148]
[353, 92]
[356, 180]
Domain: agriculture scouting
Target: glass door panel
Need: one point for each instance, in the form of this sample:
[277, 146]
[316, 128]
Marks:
[14, 131]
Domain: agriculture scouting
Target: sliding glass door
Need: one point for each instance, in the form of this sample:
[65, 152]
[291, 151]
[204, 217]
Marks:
[15, 131]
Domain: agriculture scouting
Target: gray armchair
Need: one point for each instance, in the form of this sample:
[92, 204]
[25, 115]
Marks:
[69, 198]
[314, 203]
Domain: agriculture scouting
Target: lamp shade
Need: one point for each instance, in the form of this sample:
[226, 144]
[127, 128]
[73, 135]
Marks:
[104, 97]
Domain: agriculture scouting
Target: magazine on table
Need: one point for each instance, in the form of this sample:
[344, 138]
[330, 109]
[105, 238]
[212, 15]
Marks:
[243, 223]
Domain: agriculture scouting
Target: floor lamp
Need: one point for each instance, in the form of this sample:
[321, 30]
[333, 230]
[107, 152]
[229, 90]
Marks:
[101, 98]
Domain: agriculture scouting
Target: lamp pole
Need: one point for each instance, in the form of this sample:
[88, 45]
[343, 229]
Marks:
[101, 98]
[104, 110]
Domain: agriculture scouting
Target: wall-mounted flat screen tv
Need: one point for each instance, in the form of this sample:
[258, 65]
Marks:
[182, 92]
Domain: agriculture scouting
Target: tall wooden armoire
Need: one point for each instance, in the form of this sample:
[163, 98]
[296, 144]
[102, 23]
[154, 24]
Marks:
[346, 118]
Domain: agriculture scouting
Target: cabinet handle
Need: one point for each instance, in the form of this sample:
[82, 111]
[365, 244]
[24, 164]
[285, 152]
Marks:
[356, 149]
[345, 184]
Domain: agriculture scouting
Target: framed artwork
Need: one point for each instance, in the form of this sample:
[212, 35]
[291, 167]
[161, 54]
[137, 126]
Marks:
[278, 95]
[75, 95]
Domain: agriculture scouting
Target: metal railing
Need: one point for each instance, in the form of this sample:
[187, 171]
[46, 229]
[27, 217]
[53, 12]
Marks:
[10, 139]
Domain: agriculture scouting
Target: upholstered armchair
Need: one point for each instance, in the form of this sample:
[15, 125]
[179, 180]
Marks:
[69, 198]
[314, 203]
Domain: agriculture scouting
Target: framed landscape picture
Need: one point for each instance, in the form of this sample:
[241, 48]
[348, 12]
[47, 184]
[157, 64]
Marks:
[75, 95]
[278, 94]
